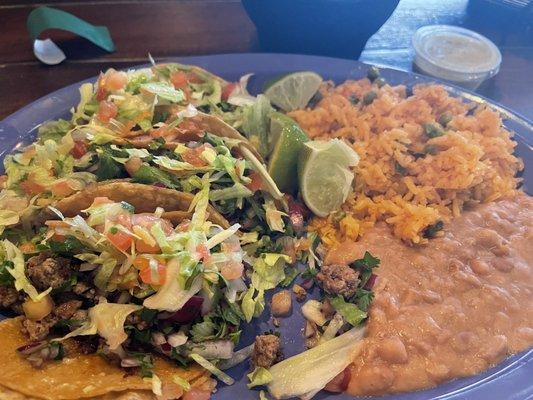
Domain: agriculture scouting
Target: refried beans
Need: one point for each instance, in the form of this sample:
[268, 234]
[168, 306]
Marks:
[451, 308]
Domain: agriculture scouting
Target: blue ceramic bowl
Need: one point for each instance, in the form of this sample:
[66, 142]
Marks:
[338, 28]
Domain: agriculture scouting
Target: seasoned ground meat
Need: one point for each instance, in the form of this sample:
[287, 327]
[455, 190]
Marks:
[46, 271]
[66, 310]
[84, 290]
[8, 296]
[80, 315]
[338, 279]
[267, 351]
[38, 330]
[81, 345]
[136, 320]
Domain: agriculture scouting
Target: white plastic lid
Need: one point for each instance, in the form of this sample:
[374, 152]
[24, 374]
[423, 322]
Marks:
[455, 54]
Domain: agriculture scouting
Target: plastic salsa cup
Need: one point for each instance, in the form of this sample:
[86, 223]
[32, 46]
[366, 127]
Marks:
[457, 55]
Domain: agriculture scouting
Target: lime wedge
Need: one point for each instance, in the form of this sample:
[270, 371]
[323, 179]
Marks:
[287, 138]
[293, 91]
[324, 175]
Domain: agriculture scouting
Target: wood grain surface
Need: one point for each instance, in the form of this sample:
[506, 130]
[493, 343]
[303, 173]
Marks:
[166, 28]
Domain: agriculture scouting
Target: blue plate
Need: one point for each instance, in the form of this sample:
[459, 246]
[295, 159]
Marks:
[510, 380]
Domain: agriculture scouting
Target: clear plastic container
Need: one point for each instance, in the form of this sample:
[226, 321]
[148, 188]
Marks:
[458, 55]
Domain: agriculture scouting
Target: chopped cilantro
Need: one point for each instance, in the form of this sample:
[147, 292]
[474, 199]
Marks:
[290, 275]
[127, 206]
[69, 246]
[148, 315]
[146, 364]
[431, 230]
[400, 169]
[6, 279]
[309, 273]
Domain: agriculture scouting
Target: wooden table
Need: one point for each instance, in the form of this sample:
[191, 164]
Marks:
[187, 27]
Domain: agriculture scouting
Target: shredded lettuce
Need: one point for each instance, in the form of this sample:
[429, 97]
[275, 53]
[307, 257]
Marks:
[334, 326]
[221, 236]
[307, 373]
[15, 256]
[249, 237]
[179, 166]
[200, 204]
[240, 95]
[8, 218]
[54, 130]
[164, 91]
[156, 385]
[274, 216]
[258, 377]
[107, 265]
[181, 382]
[171, 296]
[269, 270]
[256, 123]
[351, 313]
[86, 94]
[253, 303]
[237, 191]
[106, 319]
[228, 380]
[141, 153]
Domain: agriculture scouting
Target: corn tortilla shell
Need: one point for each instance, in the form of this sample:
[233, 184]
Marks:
[218, 127]
[81, 377]
[145, 198]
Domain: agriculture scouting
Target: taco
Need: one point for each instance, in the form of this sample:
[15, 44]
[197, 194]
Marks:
[133, 281]
[143, 198]
[81, 376]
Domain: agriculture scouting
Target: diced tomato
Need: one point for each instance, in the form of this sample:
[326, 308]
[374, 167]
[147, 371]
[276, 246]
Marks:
[256, 183]
[61, 189]
[194, 78]
[101, 92]
[115, 80]
[27, 248]
[142, 247]
[162, 131]
[197, 394]
[124, 220]
[100, 200]
[193, 156]
[146, 274]
[148, 220]
[141, 263]
[106, 111]
[179, 79]
[183, 226]
[203, 251]
[120, 240]
[232, 270]
[30, 187]
[79, 149]
[226, 90]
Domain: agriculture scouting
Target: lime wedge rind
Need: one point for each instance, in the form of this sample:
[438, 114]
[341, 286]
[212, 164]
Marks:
[288, 140]
[293, 91]
[324, 175]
